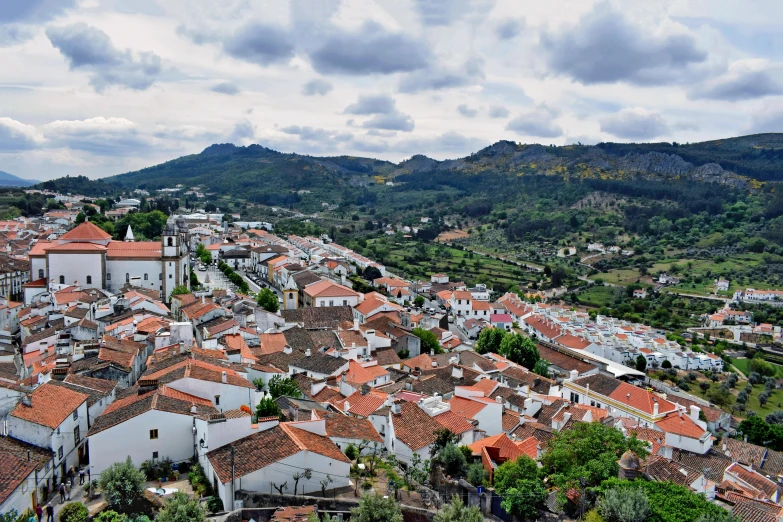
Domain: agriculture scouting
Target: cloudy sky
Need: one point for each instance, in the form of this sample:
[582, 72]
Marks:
[96, 87]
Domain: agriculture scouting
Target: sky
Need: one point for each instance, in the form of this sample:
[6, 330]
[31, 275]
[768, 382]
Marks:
[102, 87]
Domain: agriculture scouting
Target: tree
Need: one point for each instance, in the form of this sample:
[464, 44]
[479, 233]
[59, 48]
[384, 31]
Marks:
[624, 506]
[453, 460]
[541, 368]
[375, 508]
[641, 363]
[181, 508]
[457, 511]
[443, 437]
[352, 452]
[589, 450]
[267, 407]
[280, 487]
[519, 349]
[372, 273]
[429, 341]
[122, 485]
[704, 385]
[476, 474]
[763, 398]
[720, 396]
[111, 516]
[524, 499]
[74, 512]
[267, 300]
[666, 364]
[307, 474]
[489, 340]
[512, 471]
[280, 386]
[419, 301]
[325, 484]
[760, 366]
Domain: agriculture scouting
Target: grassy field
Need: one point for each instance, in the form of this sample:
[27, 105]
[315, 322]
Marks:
[599, 295]
[742, 365]
[418, 260]
[624, 276]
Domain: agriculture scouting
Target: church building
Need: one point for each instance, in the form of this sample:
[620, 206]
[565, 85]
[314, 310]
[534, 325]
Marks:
[88, 257]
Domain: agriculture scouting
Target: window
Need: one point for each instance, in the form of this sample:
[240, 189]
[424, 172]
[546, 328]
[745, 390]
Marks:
[574, 397]
[40, 273]
[127, 277]
[160, 276]
[108, 277]
[75, 414]
[89, 280]
[345, 302]
[331, 303]
[146, 277]
[169, 276]
[153, 434]
[62, 280]
[154, 455]
[60, 453]
[217, 400]
[46, 466]
[171, 241]
[76, 435]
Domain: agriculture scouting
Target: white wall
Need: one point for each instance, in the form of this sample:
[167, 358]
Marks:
[135, 268]
[76, 267]
[20, 499]
[349, 300]
[132, 438]
[231, 397]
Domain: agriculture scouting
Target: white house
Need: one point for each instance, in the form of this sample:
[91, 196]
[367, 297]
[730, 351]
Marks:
[55, 418]
[26, 470]
[270, 458]
[150, 423]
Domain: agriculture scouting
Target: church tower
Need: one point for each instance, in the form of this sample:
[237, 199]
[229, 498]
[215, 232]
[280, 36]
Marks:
[290, 295]
[176, 264]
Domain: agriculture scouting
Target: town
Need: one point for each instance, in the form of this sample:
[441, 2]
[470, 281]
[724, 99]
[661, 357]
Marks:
[220, 367]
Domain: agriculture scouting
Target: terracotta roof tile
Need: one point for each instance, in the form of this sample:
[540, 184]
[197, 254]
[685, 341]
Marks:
[413, 427]
[51, 405]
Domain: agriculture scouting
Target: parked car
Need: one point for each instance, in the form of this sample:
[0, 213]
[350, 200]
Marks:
[202, 268]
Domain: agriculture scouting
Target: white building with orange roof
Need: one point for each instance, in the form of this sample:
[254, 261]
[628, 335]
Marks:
[87, 257]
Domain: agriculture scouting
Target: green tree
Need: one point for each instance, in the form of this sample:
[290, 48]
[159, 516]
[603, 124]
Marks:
[81, 217]
[429, 341]
[122, 485]
[419, 301]
[375, 508]
[541, 368]
[352, 452]
[280, 386]
[666, 364]
[74, 512]
[520, 349]
[589, 450]
[641, 363]
[720, 396]
[268, 300]
[457, 511]
[267, 407]
[476, 474]
[524, 499]
[181, 508]
[512, 471]
[624, 506]
[489, 340]
[453, 460]
[760, 366]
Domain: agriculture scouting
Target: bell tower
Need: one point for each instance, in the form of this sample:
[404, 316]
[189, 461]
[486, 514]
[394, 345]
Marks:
[175, 262]
[290, 295]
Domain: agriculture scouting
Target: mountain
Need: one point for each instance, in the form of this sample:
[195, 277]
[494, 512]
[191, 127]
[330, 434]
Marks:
[262, 175]
[9, 180]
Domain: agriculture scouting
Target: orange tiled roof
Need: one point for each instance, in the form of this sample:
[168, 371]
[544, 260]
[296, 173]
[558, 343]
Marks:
[466, 407]
[85, 232]
[51, 405]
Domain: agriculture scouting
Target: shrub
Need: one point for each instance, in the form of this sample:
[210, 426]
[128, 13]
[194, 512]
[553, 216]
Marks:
[593, 516]
[74, 512]
[110, 516]
[352, 452]
[122, 485]
[181, 508]
[452, 460]
[476, 474]
[214, 504]
[630, 505]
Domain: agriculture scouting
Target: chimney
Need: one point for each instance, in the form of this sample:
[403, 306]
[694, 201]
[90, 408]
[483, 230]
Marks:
[365, 389]
[223, 377]
[308, 353]
[432, 353]
[499, 399]
[456, 372]
[566, 417]
[181, 347]
[695, 410]
[434, 364]
[193, 409]
[203, 300]
[396, 408]
[355, 323]
[573, 374]
[655, 409]
[346, 407]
